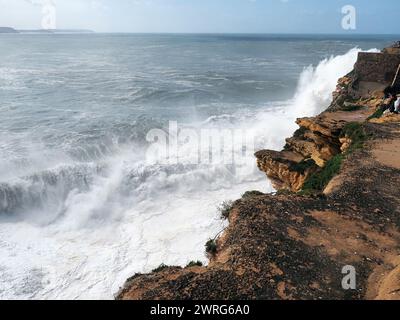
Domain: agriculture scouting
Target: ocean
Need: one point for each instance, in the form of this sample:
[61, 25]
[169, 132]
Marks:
[82, 206]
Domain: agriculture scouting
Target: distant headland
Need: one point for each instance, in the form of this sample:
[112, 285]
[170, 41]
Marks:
[41, 31]
[7, 30]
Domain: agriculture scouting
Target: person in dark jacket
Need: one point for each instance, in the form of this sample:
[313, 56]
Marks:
[389, 92]
[390, 99]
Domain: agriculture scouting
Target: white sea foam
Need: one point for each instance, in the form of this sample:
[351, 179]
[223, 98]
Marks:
[316, 83]
[132, 216]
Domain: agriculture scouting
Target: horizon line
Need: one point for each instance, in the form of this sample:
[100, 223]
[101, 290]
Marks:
[209, 33]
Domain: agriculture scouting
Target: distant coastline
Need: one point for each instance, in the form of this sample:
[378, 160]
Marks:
[323, 36]
[7, 30]
[10, 30]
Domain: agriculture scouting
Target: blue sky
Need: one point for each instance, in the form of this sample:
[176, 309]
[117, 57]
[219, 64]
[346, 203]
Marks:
[206, 16]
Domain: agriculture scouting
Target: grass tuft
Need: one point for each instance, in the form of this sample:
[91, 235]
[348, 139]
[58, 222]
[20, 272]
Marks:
[225, 209]
[356, 133]
[352, 107]
[162, 267]
[194, 264]
[320, 179]
[211, 247]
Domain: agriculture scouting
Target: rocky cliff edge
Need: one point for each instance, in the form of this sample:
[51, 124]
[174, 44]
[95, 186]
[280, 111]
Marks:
[337, 205]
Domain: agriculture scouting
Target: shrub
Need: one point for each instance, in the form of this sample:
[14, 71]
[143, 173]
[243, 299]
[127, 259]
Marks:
[225, 209]
[211, 247]
[194, 264]
[320, 179]
[160, 268]
[355, 132]
[351, 107]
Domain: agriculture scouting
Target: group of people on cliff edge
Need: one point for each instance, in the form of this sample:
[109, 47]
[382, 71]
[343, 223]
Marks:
[392, 100]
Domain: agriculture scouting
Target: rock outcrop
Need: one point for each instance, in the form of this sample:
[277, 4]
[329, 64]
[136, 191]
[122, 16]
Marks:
[284, 168]
[321, 138]
[292, 245]
[317, 141]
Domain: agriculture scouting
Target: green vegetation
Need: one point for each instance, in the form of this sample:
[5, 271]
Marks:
[162, 267]
[319, 180]
[194, 264]
[211, 247]
[378, 113]
[303, 166]
[351, 107]
[225, 209]
[356, 133]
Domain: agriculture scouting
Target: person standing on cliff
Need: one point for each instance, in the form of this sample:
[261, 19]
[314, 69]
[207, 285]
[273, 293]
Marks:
[389, 92]
[397, 104]
[390, 103]
[389, 99]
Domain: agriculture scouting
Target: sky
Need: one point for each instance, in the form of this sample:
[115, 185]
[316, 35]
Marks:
[204, 16]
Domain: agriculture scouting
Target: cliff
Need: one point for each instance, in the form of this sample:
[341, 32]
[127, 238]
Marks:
[337, 205]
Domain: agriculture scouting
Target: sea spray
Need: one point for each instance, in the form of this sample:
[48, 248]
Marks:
[316, 84]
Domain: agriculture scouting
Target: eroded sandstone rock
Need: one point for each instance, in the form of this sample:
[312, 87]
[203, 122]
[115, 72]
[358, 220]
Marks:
[284, 168]
[315, 146]
[312, 146]
[326, 126]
